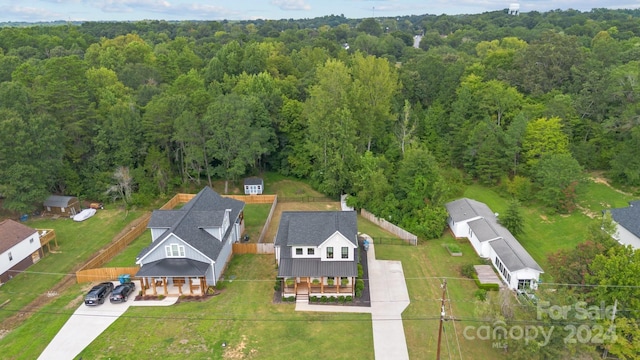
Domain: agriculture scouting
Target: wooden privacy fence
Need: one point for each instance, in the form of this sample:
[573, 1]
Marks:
[253, 248]
[104, 274]
[395, 230]
[119, 244]
[263, 233]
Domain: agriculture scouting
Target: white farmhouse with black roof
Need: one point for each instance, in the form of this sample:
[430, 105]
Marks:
[317, 253]
[193, 244]
[474, 220]
[627, 224]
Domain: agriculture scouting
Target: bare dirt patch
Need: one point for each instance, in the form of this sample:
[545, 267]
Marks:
[599, 179]
[239, 351]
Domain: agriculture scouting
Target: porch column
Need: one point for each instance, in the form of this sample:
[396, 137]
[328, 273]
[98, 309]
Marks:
[203, 285]
[353, 287]
[322, 285]
[142, 285]
[165, 284]
[180, 287]
[153, 284]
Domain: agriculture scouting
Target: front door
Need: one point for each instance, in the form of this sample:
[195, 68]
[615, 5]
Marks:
[303, 285]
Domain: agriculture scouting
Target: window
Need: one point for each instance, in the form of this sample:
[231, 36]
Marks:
[298, 251]
[31, 241]
[10, 256]
[330, 252]
[175, 250]
[310, 251]
[345, 252]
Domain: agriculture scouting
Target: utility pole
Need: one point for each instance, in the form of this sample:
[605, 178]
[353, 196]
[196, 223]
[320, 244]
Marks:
[605, 354]
[442, 313]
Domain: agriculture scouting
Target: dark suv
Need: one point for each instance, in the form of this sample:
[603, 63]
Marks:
[98, 293]
[121, 292]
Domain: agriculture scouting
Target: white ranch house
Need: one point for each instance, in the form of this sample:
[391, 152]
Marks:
[475, 221]
[627, 222]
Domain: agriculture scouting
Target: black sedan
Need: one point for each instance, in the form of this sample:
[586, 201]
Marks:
[121, 292]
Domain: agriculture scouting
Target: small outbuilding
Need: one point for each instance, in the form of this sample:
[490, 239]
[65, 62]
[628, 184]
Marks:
[253, 186]
[61, 205]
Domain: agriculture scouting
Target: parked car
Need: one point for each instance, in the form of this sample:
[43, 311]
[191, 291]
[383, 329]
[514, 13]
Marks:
[121, 292]
[98, 293]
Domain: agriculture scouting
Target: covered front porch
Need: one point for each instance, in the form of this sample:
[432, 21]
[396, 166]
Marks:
[173, 277]
[305, 286]
[173, 286]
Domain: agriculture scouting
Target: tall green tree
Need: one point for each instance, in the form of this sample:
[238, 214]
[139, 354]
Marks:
[512, 219]
[558, 177]
[30, 159]
[331, 135]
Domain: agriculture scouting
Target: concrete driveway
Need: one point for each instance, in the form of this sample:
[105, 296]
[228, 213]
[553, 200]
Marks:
[389, 298]
[87, 323]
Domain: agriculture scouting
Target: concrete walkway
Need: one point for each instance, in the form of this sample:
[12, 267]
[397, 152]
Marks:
[389, 298]
[87, 323]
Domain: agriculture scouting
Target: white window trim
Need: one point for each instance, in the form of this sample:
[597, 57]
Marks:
[174, 250]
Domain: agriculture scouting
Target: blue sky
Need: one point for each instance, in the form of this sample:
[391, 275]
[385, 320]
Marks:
[95, 10]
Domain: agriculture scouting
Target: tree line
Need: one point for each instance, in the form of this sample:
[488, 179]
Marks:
[528, 104]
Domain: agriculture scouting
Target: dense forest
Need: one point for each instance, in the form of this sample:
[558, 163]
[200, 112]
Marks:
[131, 110]
[527, 104]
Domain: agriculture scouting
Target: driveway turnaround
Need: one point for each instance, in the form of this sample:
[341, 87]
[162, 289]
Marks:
[87, 323]
[389, 298]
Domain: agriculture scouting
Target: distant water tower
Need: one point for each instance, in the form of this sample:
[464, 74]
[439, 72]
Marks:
[514, 9]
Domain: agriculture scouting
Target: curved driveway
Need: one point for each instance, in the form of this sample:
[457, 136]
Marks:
[389, 298]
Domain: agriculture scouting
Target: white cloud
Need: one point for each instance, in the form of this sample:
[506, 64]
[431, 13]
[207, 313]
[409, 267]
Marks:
[291, 4]
[25, 13]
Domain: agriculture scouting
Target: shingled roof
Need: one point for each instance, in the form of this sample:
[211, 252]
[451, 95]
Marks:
[312, 228]
[487, 228]
[628, 217]
[205, 210]
[12, 233]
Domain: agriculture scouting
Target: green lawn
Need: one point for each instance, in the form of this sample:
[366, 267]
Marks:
[255, 215]
[424, 267]
[127, 257]
[243, 317]
[77, 242]
[32, 337]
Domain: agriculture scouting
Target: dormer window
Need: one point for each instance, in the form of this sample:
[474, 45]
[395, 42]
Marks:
[298, 251]
[174, 250]
[310, 251]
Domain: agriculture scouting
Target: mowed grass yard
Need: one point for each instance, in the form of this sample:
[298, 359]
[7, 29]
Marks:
[244, 317]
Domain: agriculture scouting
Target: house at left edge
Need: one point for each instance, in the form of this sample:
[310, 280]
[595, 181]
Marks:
[19, 248]
[192, 245]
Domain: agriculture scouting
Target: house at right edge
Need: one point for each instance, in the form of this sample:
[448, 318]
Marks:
[475, 221]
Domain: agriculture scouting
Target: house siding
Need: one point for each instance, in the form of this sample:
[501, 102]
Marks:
[221, 262]
[625, 237]
[20, 252]
[337, 241]
[159, 253]
[17, 267]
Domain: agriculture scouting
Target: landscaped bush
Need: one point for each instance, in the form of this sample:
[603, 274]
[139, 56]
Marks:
[314, 298]
[359, 287]
[289, 281]
[480, 294]
[348, 298]
[323, 299]
[278, 285]
[487, 287]
[360, 271]
[289, 298]
[341, 299]
[468, 271]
